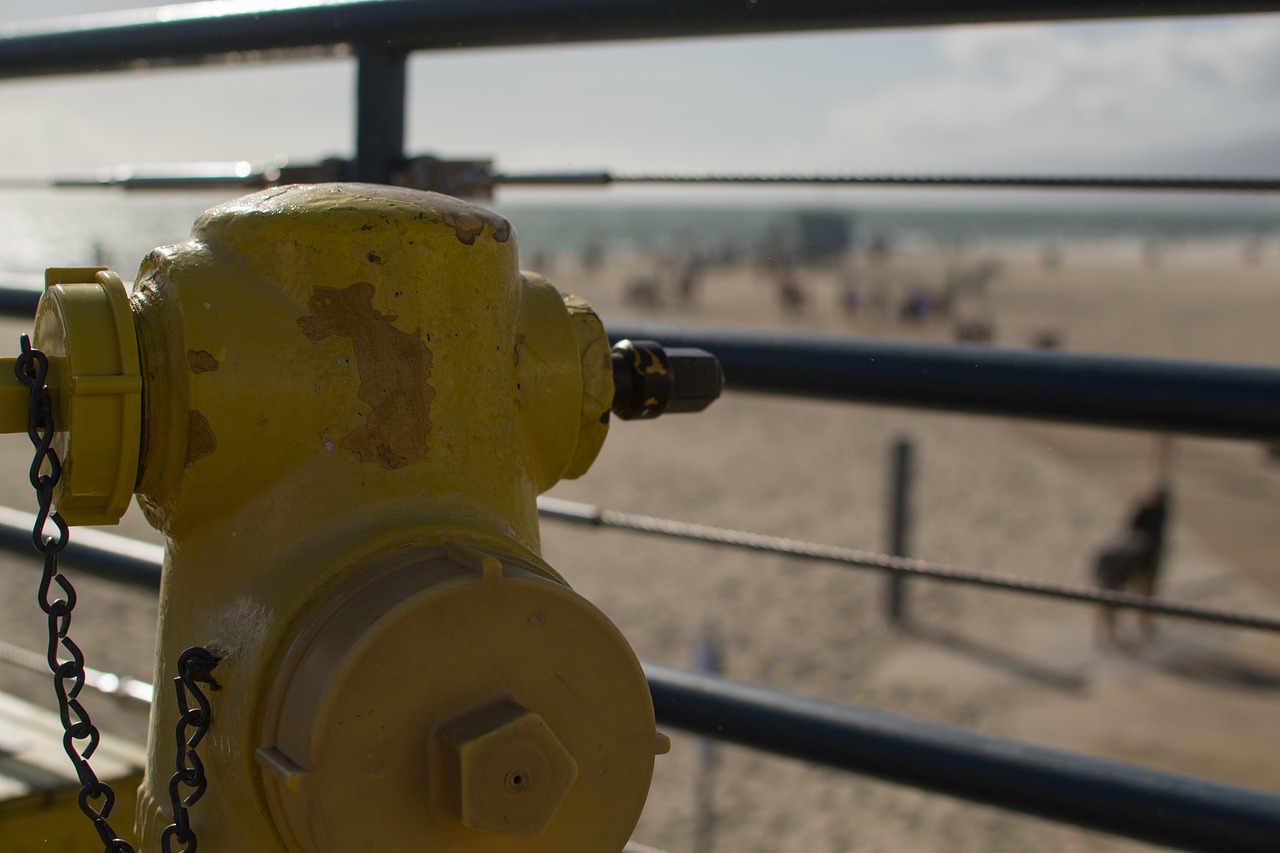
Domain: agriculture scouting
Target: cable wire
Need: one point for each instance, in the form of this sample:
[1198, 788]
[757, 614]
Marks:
[580, 513]
[1080, 182]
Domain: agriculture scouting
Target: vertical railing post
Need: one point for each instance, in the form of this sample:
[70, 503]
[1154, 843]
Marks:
[708, 659]
[900, 476]
[380, 109]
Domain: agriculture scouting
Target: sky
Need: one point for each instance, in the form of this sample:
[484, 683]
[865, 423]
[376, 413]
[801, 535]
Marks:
[1175, 96]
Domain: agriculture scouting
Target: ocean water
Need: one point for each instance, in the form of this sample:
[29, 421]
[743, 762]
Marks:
[117, 229]
[564, 227]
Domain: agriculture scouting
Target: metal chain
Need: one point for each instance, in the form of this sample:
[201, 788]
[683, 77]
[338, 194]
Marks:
[32, 368]
[195, 665]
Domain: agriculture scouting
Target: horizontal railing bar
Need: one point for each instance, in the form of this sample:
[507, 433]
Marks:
[144, 38]
[1162, 395]
[95, 552]
[1149, 183]
[483, 182]
[19, 294]
[121, 686]
[1182, 812]
[589, 514]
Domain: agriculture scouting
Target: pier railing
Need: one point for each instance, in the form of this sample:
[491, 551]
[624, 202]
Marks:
[1203, 399]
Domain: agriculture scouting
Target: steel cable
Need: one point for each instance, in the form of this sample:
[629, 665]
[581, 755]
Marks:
[581, 513]
[1084, 182]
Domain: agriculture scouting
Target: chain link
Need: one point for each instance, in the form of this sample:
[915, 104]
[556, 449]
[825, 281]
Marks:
[195, 665]
[80, 737]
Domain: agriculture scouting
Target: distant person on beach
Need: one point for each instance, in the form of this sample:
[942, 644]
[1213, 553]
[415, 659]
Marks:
[643, 292]
[1131, 561]
[879, 254]
[790, 293]
[689, 280]
[592, 257]
[1051, 257]
[850, 296]
[1251, 252]
[542, 262]
[918, 304]
[1152, 253]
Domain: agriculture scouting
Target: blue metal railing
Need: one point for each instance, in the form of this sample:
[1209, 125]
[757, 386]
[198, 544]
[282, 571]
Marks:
[1160, 395]
[1149, 805]
[209, 31]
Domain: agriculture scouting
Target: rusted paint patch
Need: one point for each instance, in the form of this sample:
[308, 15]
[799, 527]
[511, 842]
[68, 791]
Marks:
[468, 224]
[202, 361]
[394, 367]
[200, 438]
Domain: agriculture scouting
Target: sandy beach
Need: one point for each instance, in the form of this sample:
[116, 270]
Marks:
[1017, 497]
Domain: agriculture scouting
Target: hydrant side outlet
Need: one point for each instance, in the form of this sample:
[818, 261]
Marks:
[513, 691]
[85, 326]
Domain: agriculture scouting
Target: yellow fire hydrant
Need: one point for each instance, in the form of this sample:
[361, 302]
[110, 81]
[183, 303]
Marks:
[339, 403]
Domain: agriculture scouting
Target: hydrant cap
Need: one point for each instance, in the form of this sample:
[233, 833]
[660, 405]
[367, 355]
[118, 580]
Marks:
[464, 698]
[85, 325]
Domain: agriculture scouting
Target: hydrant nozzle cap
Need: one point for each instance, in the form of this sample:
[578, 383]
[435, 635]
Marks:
[650, 379]
[84, 324]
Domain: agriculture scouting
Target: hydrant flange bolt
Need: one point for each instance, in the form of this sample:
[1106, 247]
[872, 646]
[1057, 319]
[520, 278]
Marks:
[650, 380]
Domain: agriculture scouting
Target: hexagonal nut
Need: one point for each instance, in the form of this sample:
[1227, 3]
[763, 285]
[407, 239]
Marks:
[502, 770]
[697, 379]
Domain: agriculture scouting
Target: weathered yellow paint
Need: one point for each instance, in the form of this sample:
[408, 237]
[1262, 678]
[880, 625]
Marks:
[353, 398]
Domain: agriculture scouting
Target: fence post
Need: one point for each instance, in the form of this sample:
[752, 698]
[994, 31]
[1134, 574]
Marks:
[708, 659]
[900, 476]
[380, 113]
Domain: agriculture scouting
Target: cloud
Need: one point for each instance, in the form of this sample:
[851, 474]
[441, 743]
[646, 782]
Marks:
[82, 122]
[1073, 98]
